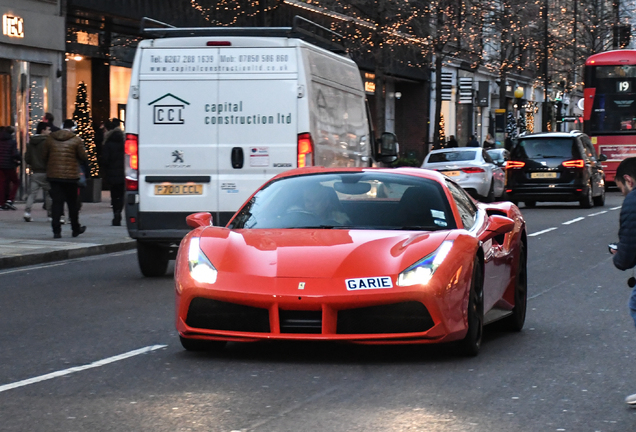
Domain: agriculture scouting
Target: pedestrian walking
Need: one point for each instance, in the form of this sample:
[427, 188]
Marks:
[34, 158]
[472, 142]
[48, 118]
[452, 142]
[625, 251]
[9, 161]
[64, 152]
[489, 142]
[113, 165]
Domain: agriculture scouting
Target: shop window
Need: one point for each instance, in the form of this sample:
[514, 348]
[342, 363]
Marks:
[38, 100]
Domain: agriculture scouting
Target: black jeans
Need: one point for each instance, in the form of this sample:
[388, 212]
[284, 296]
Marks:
[62, 192]
[117, 199]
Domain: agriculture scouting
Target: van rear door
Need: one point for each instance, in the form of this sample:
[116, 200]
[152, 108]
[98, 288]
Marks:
[178, 151]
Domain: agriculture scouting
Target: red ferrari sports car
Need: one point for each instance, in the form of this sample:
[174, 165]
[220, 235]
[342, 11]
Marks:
[363, 255]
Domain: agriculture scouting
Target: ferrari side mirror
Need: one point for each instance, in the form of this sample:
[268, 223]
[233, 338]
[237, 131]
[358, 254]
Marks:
[196, 220]
[497, 225]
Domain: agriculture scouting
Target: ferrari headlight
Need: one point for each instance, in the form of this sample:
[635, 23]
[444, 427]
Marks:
[201, 269]
[422, 271]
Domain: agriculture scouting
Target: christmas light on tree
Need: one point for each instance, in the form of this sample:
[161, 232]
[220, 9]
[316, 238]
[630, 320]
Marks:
[511, 125]
[82, 116]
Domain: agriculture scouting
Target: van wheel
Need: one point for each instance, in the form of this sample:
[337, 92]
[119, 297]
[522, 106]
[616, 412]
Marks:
[153, 259]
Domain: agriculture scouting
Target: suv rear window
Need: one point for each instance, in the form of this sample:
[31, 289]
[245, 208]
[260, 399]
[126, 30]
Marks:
[546, 148]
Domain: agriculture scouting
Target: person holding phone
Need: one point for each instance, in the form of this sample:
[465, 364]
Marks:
[624, 252]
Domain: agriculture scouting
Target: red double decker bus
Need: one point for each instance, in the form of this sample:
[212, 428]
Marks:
[610, 106]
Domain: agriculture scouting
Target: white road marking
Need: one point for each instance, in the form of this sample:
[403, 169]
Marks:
[541, 232]
[598, 213]
[573, 220]
[68, 371]
[615, 208]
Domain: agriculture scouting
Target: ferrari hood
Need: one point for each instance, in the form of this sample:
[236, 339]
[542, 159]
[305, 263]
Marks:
[319, 253]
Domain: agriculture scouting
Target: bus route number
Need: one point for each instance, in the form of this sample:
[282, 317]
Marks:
[624, 86]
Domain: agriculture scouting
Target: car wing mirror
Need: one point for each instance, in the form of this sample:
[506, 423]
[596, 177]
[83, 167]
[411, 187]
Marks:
[387, 147]
[602, 158]
[199, 219]
[497, 225]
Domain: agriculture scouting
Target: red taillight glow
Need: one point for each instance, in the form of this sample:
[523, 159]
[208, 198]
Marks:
[132, 148]
[473, 170]
[305, 150]
[219, 43]
[515, 164]
[576, 163]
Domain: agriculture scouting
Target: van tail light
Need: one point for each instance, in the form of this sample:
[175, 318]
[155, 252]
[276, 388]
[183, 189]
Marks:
[515, 164]
[305, 150]
[473, 170]
[576, 163]
[132, 162]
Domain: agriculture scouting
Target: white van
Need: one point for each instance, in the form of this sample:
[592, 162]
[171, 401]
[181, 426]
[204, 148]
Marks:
[211, 118]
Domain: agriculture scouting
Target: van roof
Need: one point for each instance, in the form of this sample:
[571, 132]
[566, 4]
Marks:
[302, 29]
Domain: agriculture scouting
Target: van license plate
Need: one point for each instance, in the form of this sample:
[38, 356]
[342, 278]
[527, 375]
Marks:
[179, 189]
[451, 173]
[543, 175]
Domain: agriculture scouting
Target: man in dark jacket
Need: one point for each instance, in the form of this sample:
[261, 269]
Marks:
[63, 153]
[625, 255]
[452, 142]
[113, 166]
[472, 142]
[34, 157]
[9, 161]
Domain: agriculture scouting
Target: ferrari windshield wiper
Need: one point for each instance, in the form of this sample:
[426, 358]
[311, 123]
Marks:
[417, 228]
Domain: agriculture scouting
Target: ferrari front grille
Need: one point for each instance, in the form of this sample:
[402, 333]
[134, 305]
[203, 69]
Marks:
[406, 317]
[217, 315]
[306, 322]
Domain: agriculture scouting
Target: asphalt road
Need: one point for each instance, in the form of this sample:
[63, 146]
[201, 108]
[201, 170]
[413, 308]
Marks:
[90, 345]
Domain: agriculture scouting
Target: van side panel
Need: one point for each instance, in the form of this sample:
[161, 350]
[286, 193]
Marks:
[337, 107]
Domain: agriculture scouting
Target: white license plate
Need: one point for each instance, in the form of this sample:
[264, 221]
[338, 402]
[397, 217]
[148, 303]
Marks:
[451, 173]
[179, 189]
[543, 175]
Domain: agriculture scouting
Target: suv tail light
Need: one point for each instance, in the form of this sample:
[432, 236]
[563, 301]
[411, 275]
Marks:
[515, 164]
[576, 163]
[305, 150]
[473, 170]
[132, 162]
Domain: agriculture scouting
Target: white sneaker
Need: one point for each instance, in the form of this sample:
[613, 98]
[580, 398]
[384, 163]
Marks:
[27, 217]
[49, 219]
[62, 219]
[631, 400]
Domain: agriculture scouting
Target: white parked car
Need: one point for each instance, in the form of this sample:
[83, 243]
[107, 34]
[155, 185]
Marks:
[470, 167]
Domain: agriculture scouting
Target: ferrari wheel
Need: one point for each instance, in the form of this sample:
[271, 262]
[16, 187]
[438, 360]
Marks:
[201, 345]
[515, 321]
[469, 346]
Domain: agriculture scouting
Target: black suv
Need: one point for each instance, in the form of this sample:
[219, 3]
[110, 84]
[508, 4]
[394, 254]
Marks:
[555, 166]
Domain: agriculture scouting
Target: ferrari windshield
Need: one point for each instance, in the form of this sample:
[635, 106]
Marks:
[358, 200]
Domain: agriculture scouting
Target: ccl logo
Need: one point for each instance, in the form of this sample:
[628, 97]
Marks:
[169, 111]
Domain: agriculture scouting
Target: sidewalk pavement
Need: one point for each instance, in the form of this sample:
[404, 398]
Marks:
[29, 243]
